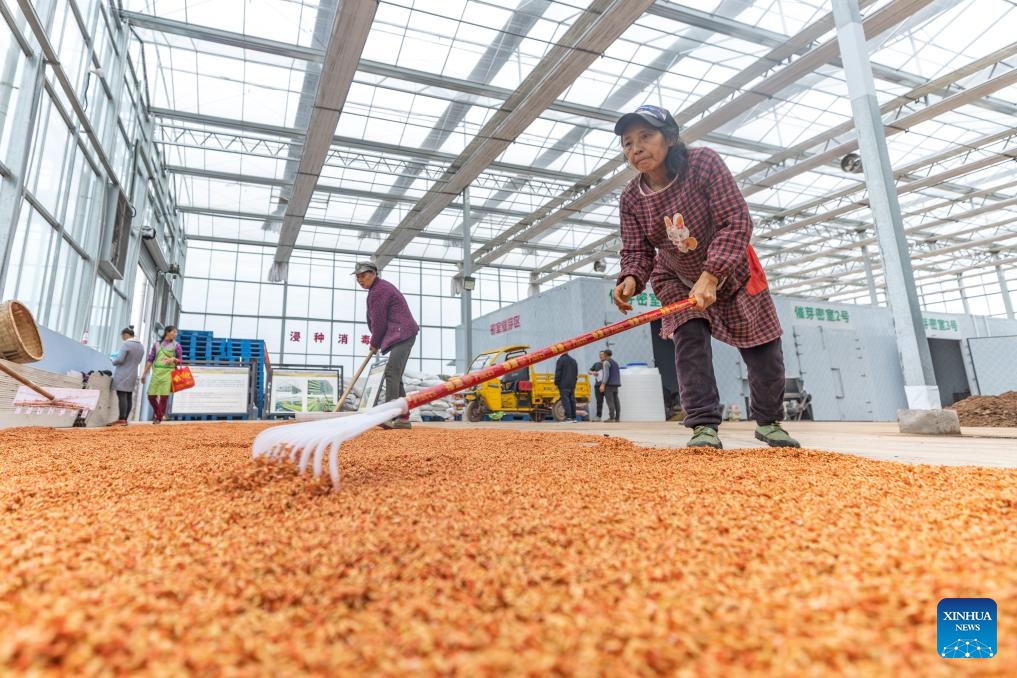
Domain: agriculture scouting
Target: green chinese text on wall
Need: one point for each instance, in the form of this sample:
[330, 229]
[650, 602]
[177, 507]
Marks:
[648, 299]
[940, 325]
[827, 315]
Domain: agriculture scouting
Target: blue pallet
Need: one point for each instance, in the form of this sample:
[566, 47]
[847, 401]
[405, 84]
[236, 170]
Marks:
[220, 349]
[193, 340]
[195, 344]
[190, 354]
[191, 351]
[247, 349]
[204, 345]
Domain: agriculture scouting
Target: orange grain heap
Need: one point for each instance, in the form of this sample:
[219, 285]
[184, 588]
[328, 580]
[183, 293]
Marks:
[166, 550]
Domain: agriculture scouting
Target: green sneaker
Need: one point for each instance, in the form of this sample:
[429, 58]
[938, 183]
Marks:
[774, 435]
[396, 424]
[705, 436]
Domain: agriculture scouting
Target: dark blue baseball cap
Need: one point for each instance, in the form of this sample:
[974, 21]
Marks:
[655, 116]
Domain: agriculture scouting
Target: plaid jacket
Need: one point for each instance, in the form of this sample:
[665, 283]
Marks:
[701, 224]
[388, 316]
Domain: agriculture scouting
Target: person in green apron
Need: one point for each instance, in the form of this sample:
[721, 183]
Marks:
[162, 360]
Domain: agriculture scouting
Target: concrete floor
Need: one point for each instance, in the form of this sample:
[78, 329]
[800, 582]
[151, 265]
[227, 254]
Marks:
[876, 440]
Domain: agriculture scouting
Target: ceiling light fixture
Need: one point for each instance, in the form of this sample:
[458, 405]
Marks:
[851, 163]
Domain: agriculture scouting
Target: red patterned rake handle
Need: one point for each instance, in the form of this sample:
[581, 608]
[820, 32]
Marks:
[456, 384]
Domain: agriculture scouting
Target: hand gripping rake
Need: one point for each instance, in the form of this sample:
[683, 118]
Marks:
[309, 441]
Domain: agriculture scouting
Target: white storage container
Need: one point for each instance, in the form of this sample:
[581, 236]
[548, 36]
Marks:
[641, 394]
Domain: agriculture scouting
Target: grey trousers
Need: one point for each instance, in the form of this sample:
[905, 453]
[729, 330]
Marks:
[613, 403]
[697, 385]
[398, 355]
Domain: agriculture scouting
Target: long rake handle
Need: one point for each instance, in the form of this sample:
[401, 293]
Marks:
[456, 384]
[339, 403]
[27, 382]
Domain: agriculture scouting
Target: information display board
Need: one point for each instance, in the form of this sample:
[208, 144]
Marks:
[373, 386]
[217, 390]
[67, 401]
[295, 390]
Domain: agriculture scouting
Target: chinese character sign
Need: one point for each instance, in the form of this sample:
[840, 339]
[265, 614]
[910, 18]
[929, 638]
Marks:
[320, 336]
[506, 325]
[647, 299]
[940, 325]
[822, 314]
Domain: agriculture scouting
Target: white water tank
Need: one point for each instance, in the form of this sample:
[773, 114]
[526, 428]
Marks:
[641, 394]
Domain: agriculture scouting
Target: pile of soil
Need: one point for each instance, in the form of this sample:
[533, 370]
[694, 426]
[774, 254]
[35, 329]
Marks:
[165, 550]
[998, 410]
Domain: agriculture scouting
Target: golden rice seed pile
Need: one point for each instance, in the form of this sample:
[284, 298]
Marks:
[166, 550]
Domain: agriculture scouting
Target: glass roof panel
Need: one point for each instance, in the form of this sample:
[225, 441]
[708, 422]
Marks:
[951, 39]
[289, 21]
[433, 75]
[785, 17]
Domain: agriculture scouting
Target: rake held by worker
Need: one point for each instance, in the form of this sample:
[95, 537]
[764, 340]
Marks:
[307, 443]
[349, 389]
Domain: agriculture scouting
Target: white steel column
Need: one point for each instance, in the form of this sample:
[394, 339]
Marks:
[869, 278]
[963, 294]
[467, 294]
[1004, 289]
[916, 360]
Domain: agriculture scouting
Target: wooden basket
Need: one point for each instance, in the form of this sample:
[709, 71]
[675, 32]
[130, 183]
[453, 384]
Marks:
[19, 336]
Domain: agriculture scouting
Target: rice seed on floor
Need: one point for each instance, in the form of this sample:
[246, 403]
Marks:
[167, 550]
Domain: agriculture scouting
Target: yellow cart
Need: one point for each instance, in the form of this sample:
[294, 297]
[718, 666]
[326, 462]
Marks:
[524, 391]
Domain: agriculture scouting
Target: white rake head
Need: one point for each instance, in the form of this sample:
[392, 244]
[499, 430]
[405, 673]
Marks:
[299, 443]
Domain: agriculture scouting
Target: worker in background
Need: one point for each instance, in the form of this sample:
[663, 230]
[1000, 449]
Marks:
[393, 331]
[595, 372]
[610, 383]
[125, 374]
[566, 373]
[685, 231]
[164, 357]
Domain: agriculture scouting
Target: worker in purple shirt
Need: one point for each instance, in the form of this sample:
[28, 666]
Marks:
[393, 331]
